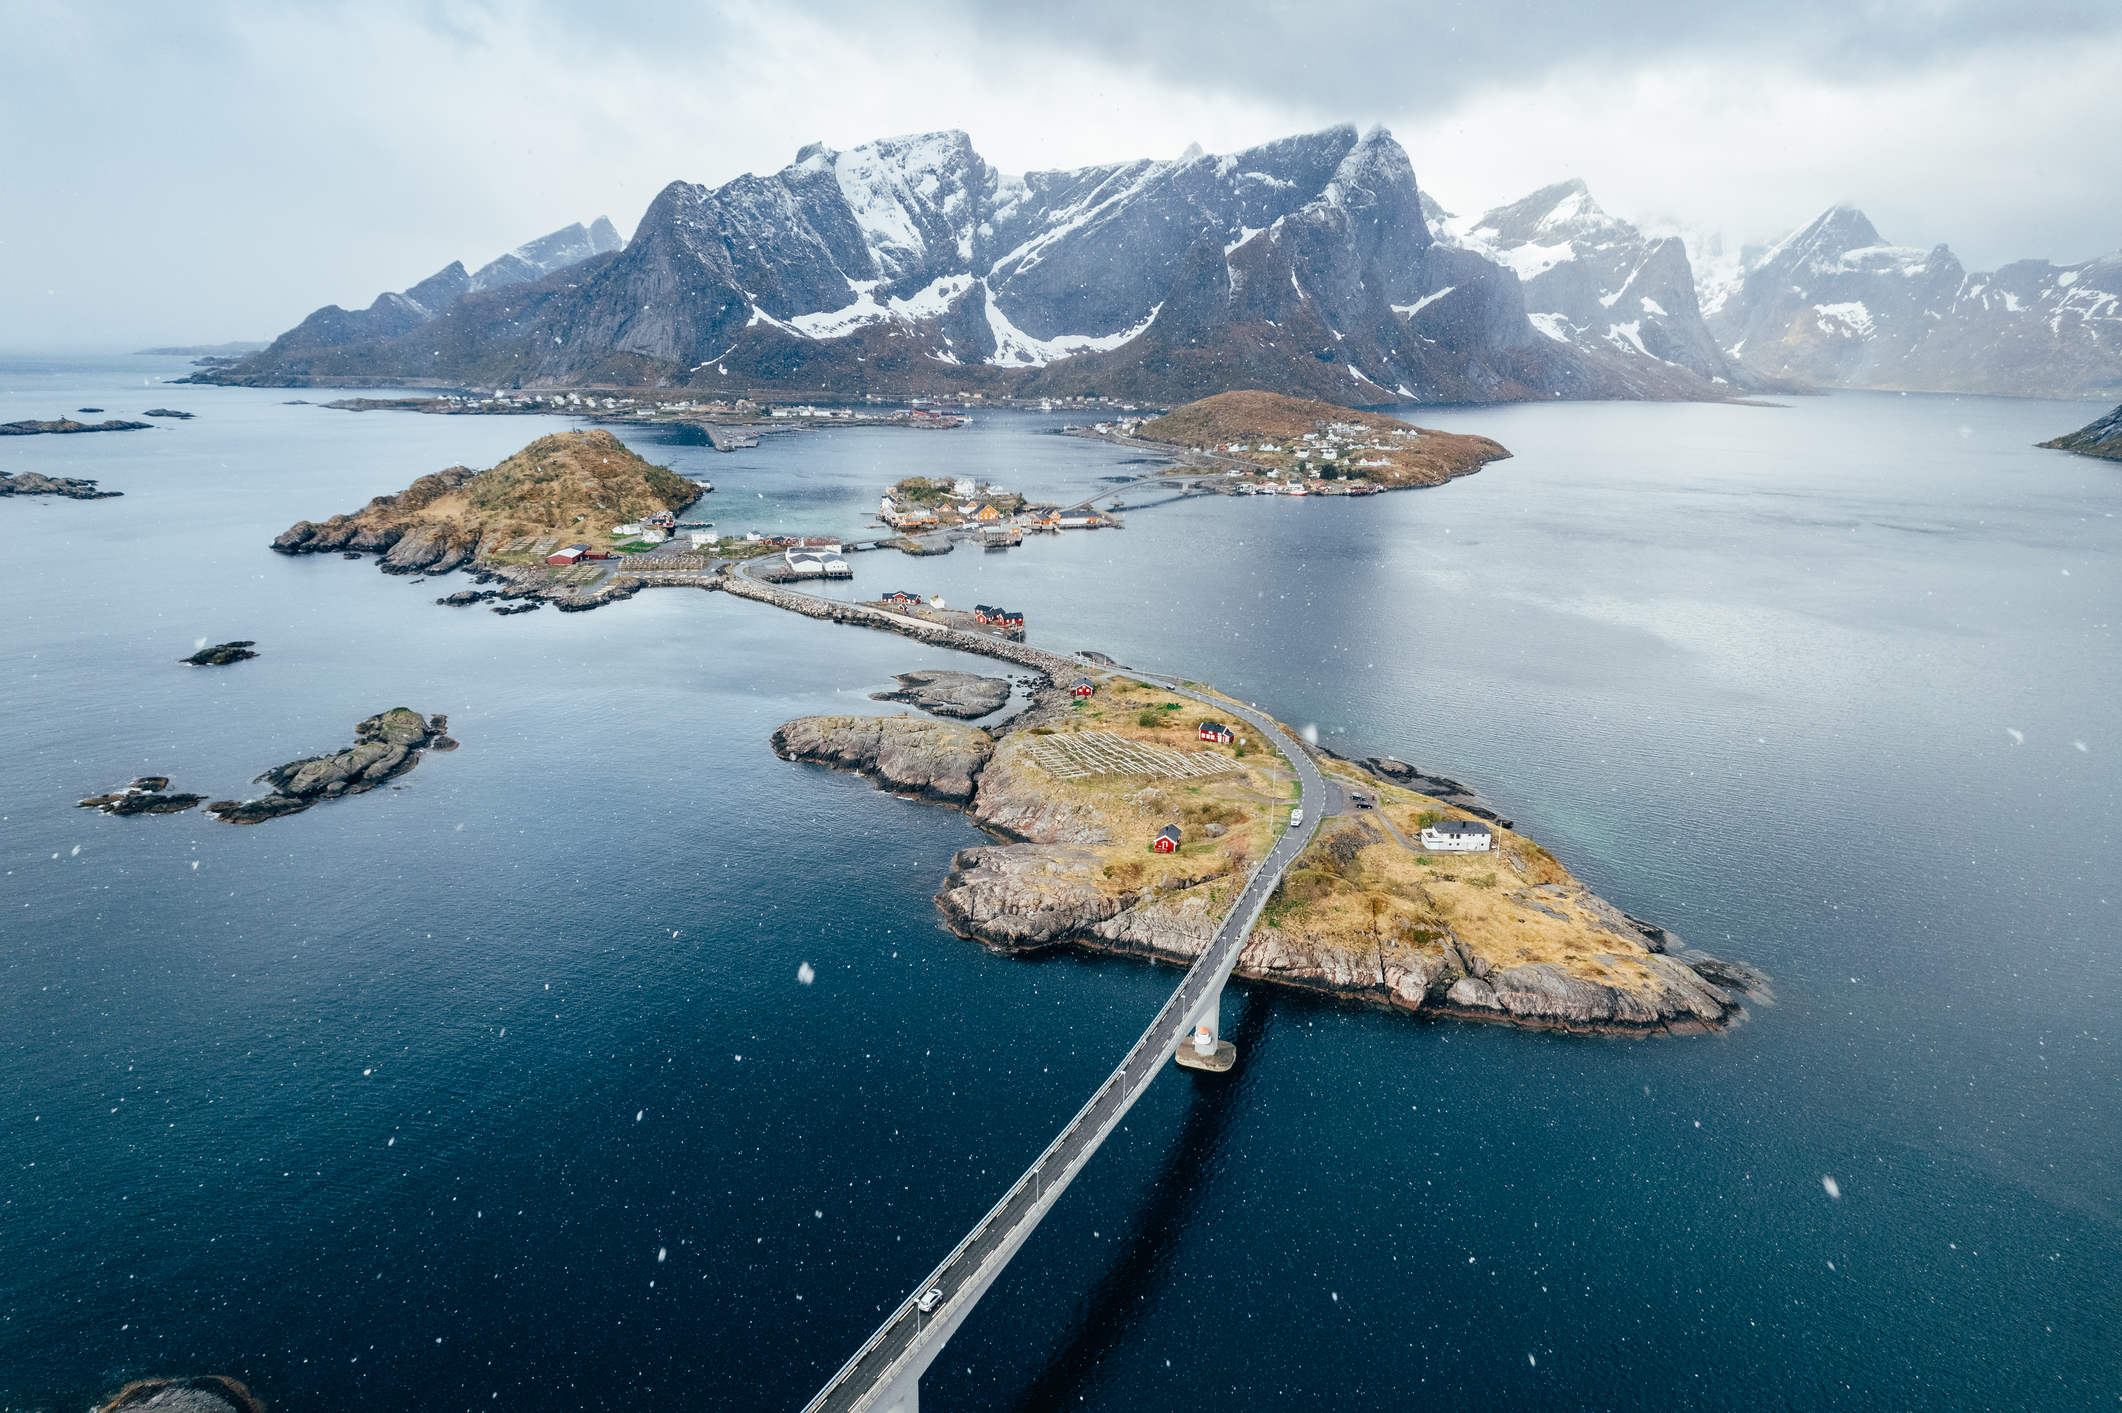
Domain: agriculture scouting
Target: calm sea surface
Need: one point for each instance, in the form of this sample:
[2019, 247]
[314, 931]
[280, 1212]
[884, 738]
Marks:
[499, 1089]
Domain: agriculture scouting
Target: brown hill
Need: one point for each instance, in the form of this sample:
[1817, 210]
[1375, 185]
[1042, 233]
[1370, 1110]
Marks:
[572, 486]
[1289, 433]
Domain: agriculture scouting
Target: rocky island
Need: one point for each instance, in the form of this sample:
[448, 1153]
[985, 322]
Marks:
[568, 491]
[2100, 437]
[31, 483]
[1079, 789]
[63, 426]
[200, 1393]
[964, 695]
[1297, 440]
[222, 654]
[148, 794]
[385, 747]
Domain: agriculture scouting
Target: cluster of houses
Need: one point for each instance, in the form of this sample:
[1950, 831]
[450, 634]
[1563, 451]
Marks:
[651, 529]
[997, 617]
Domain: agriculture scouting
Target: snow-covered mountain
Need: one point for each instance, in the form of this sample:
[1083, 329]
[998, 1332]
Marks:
[1834, 305]
[912, 265]
[1313, 265]
[1595, 282]
[535, 259]
[398, 311]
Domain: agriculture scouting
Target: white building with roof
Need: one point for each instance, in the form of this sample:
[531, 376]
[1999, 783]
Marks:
[1458, 836]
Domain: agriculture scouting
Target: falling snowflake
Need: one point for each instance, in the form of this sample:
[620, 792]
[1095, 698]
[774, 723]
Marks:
[1832, 1188]
[804, 975]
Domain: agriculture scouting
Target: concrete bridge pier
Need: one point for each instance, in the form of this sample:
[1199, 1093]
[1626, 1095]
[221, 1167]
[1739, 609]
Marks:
[1203, 1047]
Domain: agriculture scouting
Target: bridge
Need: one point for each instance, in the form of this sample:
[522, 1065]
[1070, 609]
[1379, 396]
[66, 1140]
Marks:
[884, 1375]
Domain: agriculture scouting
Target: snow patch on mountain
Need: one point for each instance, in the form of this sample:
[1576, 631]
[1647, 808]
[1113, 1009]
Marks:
[1015, 348]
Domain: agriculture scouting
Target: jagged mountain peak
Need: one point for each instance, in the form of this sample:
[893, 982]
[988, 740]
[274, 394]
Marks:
[1835, 230]
[1561, 212]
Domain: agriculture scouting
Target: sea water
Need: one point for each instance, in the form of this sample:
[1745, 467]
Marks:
[610, 1059]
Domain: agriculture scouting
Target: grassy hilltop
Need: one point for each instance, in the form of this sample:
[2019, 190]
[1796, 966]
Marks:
[571, 486]
[1412, 456]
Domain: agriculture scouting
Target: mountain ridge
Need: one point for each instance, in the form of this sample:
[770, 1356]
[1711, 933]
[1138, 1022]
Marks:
[1314, 264]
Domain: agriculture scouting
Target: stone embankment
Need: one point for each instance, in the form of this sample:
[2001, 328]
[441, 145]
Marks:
[1050, 665]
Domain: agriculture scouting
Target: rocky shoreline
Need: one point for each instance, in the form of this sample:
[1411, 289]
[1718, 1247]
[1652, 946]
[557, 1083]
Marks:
[32, 483]
[1047, 885]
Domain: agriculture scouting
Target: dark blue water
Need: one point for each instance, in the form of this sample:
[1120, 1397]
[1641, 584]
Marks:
[398, 1101]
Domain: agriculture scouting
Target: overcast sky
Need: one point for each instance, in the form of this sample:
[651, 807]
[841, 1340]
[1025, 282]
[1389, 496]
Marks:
[215, 169]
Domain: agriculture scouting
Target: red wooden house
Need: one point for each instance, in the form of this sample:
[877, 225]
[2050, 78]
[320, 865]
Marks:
[1216, 731]
[1082, 688]
[1167, 840]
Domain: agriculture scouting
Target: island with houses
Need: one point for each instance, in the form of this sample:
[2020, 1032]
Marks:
[1124, 820]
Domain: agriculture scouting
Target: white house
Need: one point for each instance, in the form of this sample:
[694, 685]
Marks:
[963, 487]
[1458, 836]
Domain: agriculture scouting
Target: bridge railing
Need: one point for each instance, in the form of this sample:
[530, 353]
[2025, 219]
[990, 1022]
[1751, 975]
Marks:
[1055, 1166]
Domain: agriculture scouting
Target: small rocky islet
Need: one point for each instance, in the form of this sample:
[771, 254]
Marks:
[386, 746]
[964, 695]
[148, 794]
[199, 1393]
[222, 654]
[67, 426]
[33, 483]
[1363, 914]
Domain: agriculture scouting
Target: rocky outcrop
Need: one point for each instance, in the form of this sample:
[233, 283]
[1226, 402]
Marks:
[169, 412]
[964, 695]
[2101, 437]
[1437, 787]
[222, 654]
[204, 1393]
[385, 747]
[31, 483]
[61, 426]
[1025, 896]
[907, 753]
[148, 794]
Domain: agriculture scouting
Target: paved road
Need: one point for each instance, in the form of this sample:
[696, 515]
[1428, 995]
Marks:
[884, 1372]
